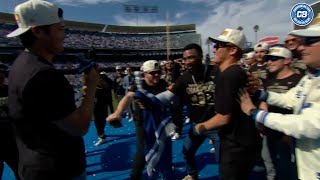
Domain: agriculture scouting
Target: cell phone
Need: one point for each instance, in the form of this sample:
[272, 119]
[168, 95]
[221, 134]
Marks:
[116, 124]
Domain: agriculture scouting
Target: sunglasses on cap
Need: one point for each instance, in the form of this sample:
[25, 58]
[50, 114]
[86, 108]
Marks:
[273, 58]
[153, 73]
[310, 40]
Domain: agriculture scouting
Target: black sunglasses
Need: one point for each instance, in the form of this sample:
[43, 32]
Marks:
[153, 73]
[222, 45]
[272, 58]
[310, 40]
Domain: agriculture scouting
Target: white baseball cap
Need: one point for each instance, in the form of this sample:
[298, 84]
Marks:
[118, 67]
[279, 52]
[233, 36]
[35, 13]
[162, 63]
[261, 46]
[150, 65]
[250, 55]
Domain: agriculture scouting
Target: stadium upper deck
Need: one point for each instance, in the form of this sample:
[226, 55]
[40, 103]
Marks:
[86, 35]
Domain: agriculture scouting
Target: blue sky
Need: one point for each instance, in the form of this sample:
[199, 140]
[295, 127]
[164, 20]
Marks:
[210, 16]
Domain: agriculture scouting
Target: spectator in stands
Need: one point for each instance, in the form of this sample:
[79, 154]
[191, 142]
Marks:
[8, 152]
[102, 104]
[48, 125]
[303, 99]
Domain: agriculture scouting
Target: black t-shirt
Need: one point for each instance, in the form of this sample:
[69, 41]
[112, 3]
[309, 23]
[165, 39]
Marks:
[4, 104]
[118, 82]
[198, 89]
[260, 71]
[241, 128]
[280, 86]
[104, 89]
[38, 96]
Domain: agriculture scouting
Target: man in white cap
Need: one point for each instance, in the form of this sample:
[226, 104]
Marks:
[154, 85]
[240, 141]
[277, 145]
[49, 127]
[304, 100]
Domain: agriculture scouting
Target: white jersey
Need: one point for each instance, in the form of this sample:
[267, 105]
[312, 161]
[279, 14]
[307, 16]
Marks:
[304, 124]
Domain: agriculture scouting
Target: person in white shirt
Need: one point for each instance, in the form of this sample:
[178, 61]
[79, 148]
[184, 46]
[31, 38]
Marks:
[304, 100]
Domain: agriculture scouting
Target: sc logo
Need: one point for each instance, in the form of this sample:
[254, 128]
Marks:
[301, 14]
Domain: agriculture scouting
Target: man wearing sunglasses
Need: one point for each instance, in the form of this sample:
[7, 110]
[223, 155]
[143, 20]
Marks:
[280, 145]
[240, 142]
[293, 43]
[154, 85]
[304, 100]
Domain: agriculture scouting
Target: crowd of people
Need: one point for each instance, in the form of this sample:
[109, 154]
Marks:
[100, 40]
[258, 112]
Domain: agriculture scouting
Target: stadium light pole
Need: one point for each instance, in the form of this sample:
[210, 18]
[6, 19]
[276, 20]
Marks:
[140, 9]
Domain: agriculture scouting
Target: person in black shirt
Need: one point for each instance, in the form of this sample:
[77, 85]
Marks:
[118, 82]
[240, 141]
[48, 125]
[103, 102]
[154, 85]
[8, 151]
[197, 87]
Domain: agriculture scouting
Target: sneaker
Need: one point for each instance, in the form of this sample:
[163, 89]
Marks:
[175, 136]
[131, 119]
[127, 115]
[257, 168]
[189, 177]
[100, 142]
[212, 150]
[187, 120]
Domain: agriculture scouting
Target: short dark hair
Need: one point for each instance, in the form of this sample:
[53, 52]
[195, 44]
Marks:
[194, 46]
[28, 38]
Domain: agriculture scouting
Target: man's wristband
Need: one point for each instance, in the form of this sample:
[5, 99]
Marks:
[253, 112]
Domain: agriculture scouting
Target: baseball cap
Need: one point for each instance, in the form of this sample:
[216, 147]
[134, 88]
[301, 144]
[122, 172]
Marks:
[261, 46]
[35, 13]
[162, 63]
[279, 52]
[150, 65]
[312, 31]
[233, 36]
[118, 67]
[250, 55]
